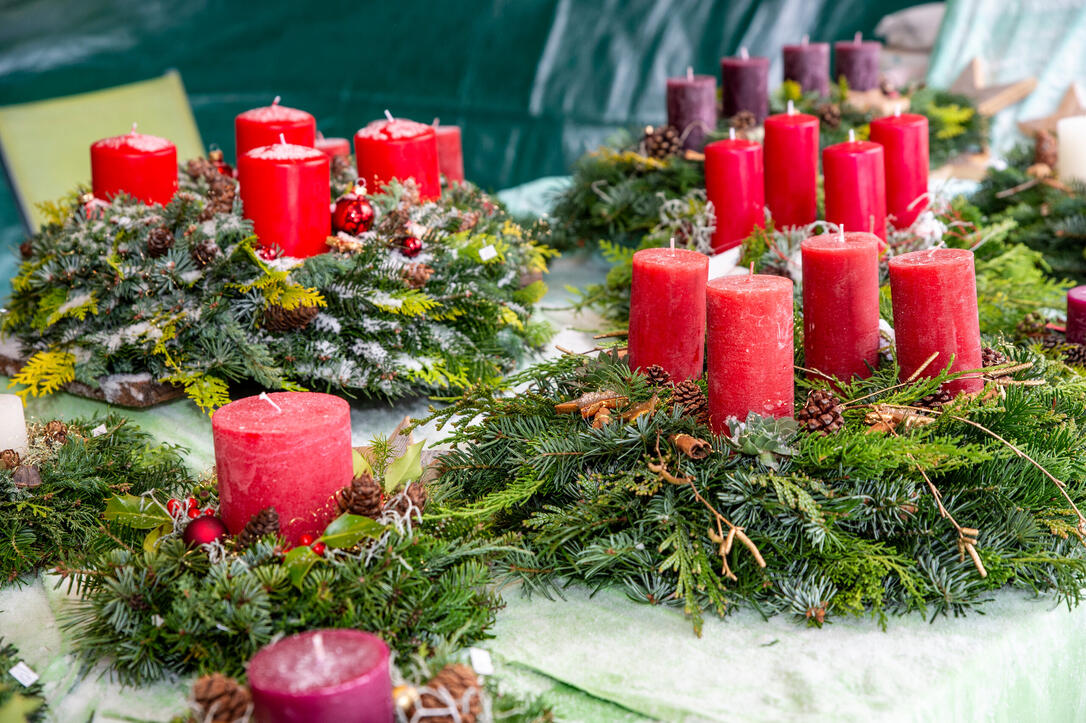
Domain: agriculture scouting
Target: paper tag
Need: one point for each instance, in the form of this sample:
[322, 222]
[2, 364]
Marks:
[99, 430]
[487, 253]
[157, 620]
[22, 673]
[480, 661]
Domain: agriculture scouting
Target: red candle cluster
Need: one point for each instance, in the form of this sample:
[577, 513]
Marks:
[855, 186]
[904, 139]
[791, 162]
[734, 185]
[450, 155]
[142, 166]
[401, 149]
[667, 311]
[333, 147]
[264, 126]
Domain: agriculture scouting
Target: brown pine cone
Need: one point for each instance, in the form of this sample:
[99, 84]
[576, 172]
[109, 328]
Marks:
[265, 522]
[416, 493]
[1047, 149]
[821, 413]
[936, 399]
[657, 376]
[416, 275]
[159, 241]
[989, 357]
[743, 120]
[221, 699]
[26, 249]
[777, 267]
[457, 685]
[200, 168]
[204, 252]
[56, 431]
[689, 396]
[662, 142]
[220, 196]
[830, 114]
[9, 458]
[1032, 325]
[361, 497]
[280, 320]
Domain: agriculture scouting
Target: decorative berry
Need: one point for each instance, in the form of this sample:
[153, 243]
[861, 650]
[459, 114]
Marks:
[204, 530]
[192, 503]
[208, 512]
[410, 247]
[193, 513]
[306, 539]
[318, 548]
[173, 506]
[353, 213]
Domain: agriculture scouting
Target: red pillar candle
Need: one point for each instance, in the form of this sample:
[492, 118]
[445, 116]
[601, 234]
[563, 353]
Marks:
[855, 186]
[333, 147]
[398, 148]
[1076, 315]
[808, 64]
[934, 294]
[904, 139]
[858, 61]
[142, 166]
[734, 183]
[745, 84]
[322, 676]
[450, 153]
[284, 192]
[288, 450]
[264, 126]
[667, 311]
[841, 304]
[750, 348]
[791, 163]
[691, 107]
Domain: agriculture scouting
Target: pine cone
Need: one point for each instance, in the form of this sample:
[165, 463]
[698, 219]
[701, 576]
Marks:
[9, 458]
[280, 320]
[936, 399]
[220, 196]
[689, 396]
[265, 522]
[743, 120]
[200, 168]
[1075, 354]
[416, 275]
[26, 249]
[416, 493]
[56, 431]
[462, 689]
[830, 114]
[989, 357]
[821, 413]
[657, 376]
[361, 497]
[221, 699]
[777, 267]
[662, 142]
[159, 241]
[1033, 324]
[204, 252]
[1046, 149]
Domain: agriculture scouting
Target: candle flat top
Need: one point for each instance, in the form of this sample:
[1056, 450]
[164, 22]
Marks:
[276, 112]
[136, 142]
[933, 258]
[852, 147]
[297, 410]
[903, 119]
[674, 258]
[1078, 293]
[750, 284]
[732, 144]
[791, 119]
[285, 152]
[692, 80]
[834, 241]
[397, 129]
[317, 660]
[754, 60]
[447, 130]
[852, 44]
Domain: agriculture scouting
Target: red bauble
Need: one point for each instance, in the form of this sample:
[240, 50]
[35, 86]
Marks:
[305, 539]
[92, 207]
[173, 506]
[269, 253]
[193, 513]
[410, 247]
[221, 166]
[318, 548]
[353, 213]
[192, 503]
[209, 512]
[204, 530]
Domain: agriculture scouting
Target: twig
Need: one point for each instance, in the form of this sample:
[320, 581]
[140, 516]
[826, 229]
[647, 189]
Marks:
[613, 334]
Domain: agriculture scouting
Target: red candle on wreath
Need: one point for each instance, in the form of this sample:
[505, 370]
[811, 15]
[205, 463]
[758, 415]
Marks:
[791, 168]
[855, 181]
[735, 185]
[450, 152]
[401, 149]
[142, 166]
[904, 139]
[287, 450]
[333, 147]
[667, 311]
[264, 126]
[284, 191]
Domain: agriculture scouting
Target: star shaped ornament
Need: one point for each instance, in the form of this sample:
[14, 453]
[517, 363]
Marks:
[990, 99]
[1071, 104]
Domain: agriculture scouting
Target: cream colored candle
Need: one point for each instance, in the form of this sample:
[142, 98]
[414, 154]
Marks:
[12, 423]
[1072, 134]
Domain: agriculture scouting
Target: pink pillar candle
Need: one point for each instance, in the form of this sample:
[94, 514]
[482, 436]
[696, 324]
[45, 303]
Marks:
[667, 311]
[263, 126]
[142, 166]
[322, 676]
[450, 153]
[855, 185]
[791, 162]
[750, 348]
[333, 147]
[735, 185]
[904, 139]
[808, 65]
[284, 192]
[857, 61]
[934, 294]
[398, 149]
[744, 85]
[1076, 315]
[290, 451]
[841, 304]
[691, 108]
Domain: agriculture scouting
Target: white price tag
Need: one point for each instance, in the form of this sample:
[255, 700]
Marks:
[22, 673]
[480, 661]
[98, 431]
[487, 253]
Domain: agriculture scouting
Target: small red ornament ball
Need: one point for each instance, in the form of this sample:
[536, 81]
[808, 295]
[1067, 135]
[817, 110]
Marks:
[306, 539]
[410, 247]
[318, 547]
[216, 158]
[173, 506]
[353, 213]
[193, 513]
[203, 530]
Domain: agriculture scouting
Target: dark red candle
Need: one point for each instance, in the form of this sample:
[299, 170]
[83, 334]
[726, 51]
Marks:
[142, 166]
[841, 304]
[791, 163]
[934, 294]
[333, 147]
[750, 348]
[398, 148]
[904, 139]
[264, 126]
[858, 61]
[1076, 315]
[691, 107]
[288, 450]
[808, 64]
[450, 153]
[667, 311]
[735, 185]
[745, 84]
[285, 191]
[855, 186]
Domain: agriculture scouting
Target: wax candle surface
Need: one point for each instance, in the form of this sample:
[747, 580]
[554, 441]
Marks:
[292, 453]
[691, 108]
[285, 192]
[450, 154]
[1072, 142]
[333, 147]
[858, 61]
[841, 304]
[143, 166]
[667, 311]
[745, 84]
[322, 676]
[855, 186]
[934, 294]
[1076, 315]
[904, 139]
[388, 149]
[809, 65]
[791, 165]
[735, 184]
[750, 348]
[12, 424]
[263, 126]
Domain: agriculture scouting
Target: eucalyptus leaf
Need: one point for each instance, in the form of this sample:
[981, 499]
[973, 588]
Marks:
[141, 513]
[298, 561]
[346, 530]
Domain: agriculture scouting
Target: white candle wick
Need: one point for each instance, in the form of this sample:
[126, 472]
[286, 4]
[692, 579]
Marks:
[436, 123]
[276, 101]
[791, 108]
[689, 73]
[134, 124]
[266, 398]
[851, 135]
[750, 276]
[743, 53]
[731, 133]
[841, 233]
[318, 647]
[859, 38]
[389, 115]
[672, 243]
[897, 111]
[282, 139]
[806, 39]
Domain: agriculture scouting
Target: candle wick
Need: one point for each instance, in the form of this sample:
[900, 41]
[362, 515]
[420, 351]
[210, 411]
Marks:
[320, 136]
[806, 39]
[276, 101]
[897, 111]
[841, 232]
[437, 121]
[282, 139]
[389, 115]
[859, 37]
[266, 398]
[851, 135]
[731, 133]
[672, 243]
[743, 53]
[791, 108]
[689, 73]
[318, 647]
[750, 276]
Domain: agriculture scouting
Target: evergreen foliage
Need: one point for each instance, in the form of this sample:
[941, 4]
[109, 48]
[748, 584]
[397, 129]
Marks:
[18, 703]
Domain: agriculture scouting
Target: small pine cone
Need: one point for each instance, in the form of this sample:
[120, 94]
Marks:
[204, 252]
[662, 142]
[830, 114]
[743, 120]
[989, 357]
[26, 249]
[159, 241]
[1075, 354]
[1047, 149]
[658, 376]
[936, 399]
[1032, 325]
[265, 522]
[415, 493]
[9, 458]
[777, 267]
[457, 685]
[56, 431]
[361, 497]
[280, 320]
[689, 396]
[821, 413]
[200, 168]
[221, 699]
[417, 275]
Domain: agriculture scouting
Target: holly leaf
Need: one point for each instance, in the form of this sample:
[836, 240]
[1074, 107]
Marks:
[404, 469]
[346, 530]
[361, 464]
[298, 561]
[151, 541]
[141, 513]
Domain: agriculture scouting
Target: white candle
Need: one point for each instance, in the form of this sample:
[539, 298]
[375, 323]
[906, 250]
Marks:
[1072, 158]
[12, 424]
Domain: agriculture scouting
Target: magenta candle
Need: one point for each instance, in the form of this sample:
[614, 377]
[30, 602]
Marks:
[791, 162]
[735, 185]
[858, 61]
[904, 139]
[263, 127]
[322, 676]
[333, 147]
[855, 186]
[1076, 315]
[450, 153]
[745, 85]
[750, 348]
[691, 108]
[934, 294]
[290, 451]
[841, 304]
[808, 64]
[667, 311]
[142, 166]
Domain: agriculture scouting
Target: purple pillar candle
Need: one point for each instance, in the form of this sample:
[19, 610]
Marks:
[808, 64]
[1076, 315]
[858, 61]
[745, 82]
[322, 676]
[691, 107]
